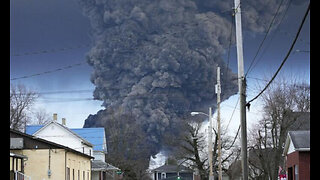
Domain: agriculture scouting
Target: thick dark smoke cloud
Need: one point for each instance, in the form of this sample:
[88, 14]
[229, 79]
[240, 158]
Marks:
[256, 14]
[157, 59]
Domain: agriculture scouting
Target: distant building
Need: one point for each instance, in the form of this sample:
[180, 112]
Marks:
[297, 155]
[172, 172]
[37, 158]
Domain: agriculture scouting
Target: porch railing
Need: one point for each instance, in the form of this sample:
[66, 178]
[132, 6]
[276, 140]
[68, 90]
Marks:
[20, 176]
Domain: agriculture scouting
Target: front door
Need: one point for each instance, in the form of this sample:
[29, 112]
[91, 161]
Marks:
[290, 173]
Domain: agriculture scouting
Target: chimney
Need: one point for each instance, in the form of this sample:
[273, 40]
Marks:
[64, 121]
[55, 116]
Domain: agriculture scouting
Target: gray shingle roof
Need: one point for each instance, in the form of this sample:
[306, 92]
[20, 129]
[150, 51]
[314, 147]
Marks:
[300, 139]
[172, 168]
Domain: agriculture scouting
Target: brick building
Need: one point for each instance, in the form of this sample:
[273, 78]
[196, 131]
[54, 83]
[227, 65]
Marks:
[297, 155]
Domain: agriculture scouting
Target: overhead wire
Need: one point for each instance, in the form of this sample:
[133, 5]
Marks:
[265, 36]
[272, 36]
[54, 50]
[50, 71]
[285, 59]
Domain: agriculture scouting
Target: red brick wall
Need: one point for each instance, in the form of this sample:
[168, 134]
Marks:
[304, 165]
[292, 160]
[302, 159]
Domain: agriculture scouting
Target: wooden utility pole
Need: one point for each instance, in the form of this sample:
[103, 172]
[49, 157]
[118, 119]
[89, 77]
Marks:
[242, 90]
[218, 91]
[210, 144]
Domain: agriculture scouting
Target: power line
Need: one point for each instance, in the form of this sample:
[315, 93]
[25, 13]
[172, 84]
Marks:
[54, 50]
[234, 140]
[67, 92]
[235, 107]
[285, 59]
[265, 36]
[68, 100]
[273, 35]
[50, 71]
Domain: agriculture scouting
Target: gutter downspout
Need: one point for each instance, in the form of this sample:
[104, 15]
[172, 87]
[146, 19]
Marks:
[65, 164]
[49, 170]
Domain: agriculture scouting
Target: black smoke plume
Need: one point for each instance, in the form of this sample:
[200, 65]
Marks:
[156, 59]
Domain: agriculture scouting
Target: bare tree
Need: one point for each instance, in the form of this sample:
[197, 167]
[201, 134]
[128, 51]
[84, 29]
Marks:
[192, 148]
[282, 106]
[127, 145]
[21, 100]
[41, 116]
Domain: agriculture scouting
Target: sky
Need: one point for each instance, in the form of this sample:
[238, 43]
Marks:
[47, 35]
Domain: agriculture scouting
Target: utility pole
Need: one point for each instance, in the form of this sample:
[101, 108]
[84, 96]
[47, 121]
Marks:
[242, 90]
[218, 91]
[210, 144]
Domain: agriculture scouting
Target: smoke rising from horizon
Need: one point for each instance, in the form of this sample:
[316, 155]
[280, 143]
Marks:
[157, 59]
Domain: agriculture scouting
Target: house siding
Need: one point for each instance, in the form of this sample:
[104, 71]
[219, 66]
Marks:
[37, 164]
[59, 135]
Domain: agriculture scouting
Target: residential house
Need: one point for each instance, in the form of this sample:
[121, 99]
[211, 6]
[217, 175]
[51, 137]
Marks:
[297, 155]
[80, 137]
[60, 134]
[40, 159]
[172, 172]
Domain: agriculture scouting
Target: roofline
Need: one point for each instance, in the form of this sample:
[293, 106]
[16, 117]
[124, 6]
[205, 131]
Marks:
[18, 155]
[53, 121]
[302, 149]
[51, 143]
[174, 171]
[287, 145]
[177, 170]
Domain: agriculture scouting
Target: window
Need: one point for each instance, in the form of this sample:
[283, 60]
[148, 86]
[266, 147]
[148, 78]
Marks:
[84, 175]
[296, 172]
[68, 173]
[72, 174]
[78, 174]
[163, 175]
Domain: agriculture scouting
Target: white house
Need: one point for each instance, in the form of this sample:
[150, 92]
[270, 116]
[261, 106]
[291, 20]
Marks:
[60, 134]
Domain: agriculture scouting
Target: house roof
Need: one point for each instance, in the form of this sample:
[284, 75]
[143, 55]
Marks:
[302, 122]
[172, 168]
[31, 129]
[300, 139]
[95, 136]
[98, 165]
[58, 146]
[66, 128]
